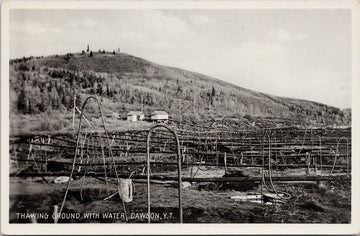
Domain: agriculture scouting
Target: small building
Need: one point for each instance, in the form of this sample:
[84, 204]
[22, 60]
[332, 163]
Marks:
[135, 116]
[159, 116]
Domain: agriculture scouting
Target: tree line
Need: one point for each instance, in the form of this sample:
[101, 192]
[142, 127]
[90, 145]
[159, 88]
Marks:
[39, 89]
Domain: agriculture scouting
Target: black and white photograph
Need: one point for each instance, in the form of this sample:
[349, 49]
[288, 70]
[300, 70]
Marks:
[160, 113]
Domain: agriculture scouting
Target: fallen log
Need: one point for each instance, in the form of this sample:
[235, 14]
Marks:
[122, 163]
[193, 179]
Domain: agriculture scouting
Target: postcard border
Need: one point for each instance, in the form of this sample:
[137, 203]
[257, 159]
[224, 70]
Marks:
[353, 228]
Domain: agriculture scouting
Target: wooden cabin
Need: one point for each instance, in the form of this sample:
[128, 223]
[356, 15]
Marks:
[159, 116]
[135, 116]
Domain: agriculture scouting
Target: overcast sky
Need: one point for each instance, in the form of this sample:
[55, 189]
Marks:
[293, 53]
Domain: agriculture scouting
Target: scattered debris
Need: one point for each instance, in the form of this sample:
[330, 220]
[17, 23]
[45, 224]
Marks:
[126, 190]
[272, 196]
[246, 198]
[185, 184]
[61, 179]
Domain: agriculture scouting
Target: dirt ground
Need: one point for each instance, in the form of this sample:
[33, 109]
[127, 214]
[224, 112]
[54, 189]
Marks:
[311, 202]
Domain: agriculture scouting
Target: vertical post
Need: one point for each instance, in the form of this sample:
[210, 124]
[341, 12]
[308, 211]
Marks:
[217, 156]
[28, 157]
[225, 162]
[308, 162]
[74, 109]
[179, 179]
[148, 176]
[193, 156]
[56, 218]
[347, 156]
[262, 168]
[179, 108]
[193, 102]
[45, 168]
[104, 162]
[312, 146]
[320, 147]
[276, 160]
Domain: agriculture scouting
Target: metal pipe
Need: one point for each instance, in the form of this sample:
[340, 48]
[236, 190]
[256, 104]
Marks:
[77, 146]
[148, 167]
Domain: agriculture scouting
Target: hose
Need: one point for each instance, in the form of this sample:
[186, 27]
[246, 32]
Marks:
[337, 154]
[77, 147]
[286, 196]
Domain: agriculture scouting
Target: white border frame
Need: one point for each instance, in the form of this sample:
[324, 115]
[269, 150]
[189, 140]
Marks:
[94, 228]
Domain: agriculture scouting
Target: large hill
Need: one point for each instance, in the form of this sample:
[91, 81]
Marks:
[43, 85]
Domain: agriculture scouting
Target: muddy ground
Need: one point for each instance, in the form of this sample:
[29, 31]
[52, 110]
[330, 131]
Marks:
[311, 202]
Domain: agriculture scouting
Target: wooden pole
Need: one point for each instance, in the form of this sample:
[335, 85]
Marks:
[179, 108]
[87, 121]
[225, 162]
[194, 97]
[73, 124]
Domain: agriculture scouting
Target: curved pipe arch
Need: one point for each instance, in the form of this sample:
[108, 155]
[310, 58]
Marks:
[337, 153]
[148, 166]
[77, 146]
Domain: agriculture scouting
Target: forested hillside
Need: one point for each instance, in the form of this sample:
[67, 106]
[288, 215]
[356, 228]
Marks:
[43, 85]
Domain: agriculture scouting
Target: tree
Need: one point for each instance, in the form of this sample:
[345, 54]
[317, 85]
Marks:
[23, 102]
[23, 67]
[91, 54]
[54, 98]
[211, 99]
[179, 90]
[99, 89]
[45, 102]
[88, 49]
[34, 96]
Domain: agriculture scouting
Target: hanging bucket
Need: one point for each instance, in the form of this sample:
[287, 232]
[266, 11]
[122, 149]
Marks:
[126, 190]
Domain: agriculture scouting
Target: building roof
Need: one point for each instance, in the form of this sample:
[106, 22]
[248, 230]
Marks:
[159, 113]
[135, 113]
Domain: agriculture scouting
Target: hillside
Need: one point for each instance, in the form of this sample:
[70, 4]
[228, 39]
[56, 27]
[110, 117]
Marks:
[44, 85]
